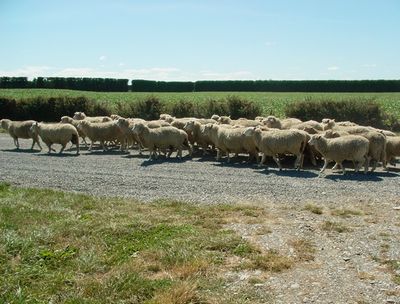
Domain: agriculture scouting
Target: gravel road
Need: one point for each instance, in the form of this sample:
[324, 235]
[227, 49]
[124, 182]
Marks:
[349, 266]
[195, 180]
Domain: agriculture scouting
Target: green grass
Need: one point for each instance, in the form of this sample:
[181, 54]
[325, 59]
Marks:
[271, 102]
[71, 248]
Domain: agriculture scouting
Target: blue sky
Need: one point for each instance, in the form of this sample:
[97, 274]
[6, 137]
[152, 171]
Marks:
[203, 39]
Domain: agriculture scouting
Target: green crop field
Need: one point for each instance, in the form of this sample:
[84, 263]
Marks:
[271, 102]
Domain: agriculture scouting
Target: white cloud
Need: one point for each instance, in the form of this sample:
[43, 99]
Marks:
[152, 73]
[28, 71]
[102, 58]
[333, 68]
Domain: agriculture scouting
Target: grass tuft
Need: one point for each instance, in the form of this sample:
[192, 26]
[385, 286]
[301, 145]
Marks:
[334, 227]
[313, 208]
[346, 212]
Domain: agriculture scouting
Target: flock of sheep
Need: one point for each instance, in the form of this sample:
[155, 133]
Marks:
[269, 136]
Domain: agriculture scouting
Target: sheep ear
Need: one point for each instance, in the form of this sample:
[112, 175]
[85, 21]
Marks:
[333, 120]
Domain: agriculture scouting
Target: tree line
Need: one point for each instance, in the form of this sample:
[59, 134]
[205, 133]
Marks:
[71, 83]
[138, 85]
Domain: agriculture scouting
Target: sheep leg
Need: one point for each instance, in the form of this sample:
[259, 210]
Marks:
[218, 154]
[276, 159]
[16, 143]
[229, 159]
[84, 141]
[312, 157]
[49, 146]
[374, 162]
[179, 153]
[169, 153]
[263, 158]
[91, 146]
[366, 165]
[103, 146]
[343, 169]
[62, 149]
[324, 167]
[38, 143]
[298, 163]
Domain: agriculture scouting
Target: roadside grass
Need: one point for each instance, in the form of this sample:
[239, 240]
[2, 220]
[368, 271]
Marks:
[331, 226]
[344, 212]
[62, 247]
[313, 208]
[272, 103]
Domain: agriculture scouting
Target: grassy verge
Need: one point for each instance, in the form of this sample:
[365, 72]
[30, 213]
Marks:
[271, 102]
[69, 248]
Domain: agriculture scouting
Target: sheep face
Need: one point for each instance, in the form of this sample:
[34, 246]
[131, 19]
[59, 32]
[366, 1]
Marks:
[66, 119]
[5, 123]
[270, 121]
[224, 120]
[189, 126]
[79, 116]
[328, 123]
[138, 128]
[34, 128]
[123, 123]
[215, 117]
[314, 139]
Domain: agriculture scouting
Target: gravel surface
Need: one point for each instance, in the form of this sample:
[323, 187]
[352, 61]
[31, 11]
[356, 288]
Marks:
[194, 180]
[358, 265]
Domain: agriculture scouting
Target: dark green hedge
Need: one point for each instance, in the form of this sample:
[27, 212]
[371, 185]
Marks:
[363, 112]
[150, 107]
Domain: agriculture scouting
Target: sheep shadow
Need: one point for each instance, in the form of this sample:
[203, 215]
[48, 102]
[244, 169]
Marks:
[29, 151]
[162, 160]
[108, 152]
[289, 172]
[353, 176]
[56, 154]
[233, 164]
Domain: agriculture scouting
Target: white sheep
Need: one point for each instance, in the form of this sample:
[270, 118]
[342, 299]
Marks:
[308, 124]
[196, 134]
[152, 124]
[162, 138]
[104, 131]
[242, 122]
[351, 127]
[276, 123]
[328, 123]
[275, 142]
[377, 145]
[126, 125]
[74, 122]
[20, 129]
[230, 140]
[56, 133]
[352, 147]
[166, 117]
[215, 117]
[82, 116]
[392, 149]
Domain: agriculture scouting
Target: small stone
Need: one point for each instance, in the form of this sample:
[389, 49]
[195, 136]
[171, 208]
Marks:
[346, 259]
[295, 285]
